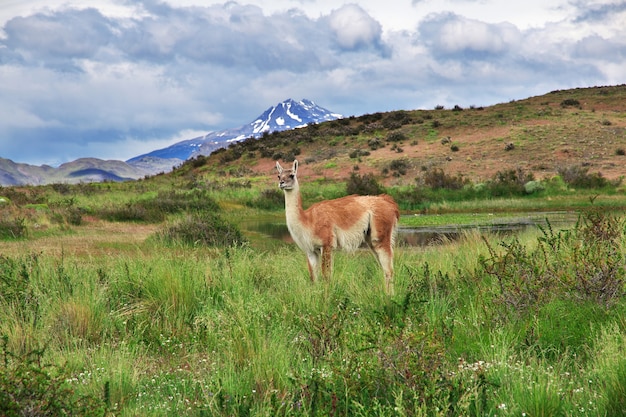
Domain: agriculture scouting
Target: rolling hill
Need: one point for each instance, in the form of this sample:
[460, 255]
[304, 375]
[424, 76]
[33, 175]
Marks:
[541, 135]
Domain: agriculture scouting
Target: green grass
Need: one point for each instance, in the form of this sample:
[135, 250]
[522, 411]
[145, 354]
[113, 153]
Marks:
[150, 316]
[178, 330]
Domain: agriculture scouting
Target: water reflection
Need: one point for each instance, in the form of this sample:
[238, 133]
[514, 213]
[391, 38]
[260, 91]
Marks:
[433, 235]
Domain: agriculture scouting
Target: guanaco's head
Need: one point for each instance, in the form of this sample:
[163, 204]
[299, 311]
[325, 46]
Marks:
[287, 178]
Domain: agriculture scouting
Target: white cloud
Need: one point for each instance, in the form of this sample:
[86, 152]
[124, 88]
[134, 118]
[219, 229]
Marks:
[353, 27]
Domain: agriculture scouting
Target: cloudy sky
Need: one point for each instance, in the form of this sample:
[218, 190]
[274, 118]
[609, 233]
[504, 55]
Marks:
[117, 78]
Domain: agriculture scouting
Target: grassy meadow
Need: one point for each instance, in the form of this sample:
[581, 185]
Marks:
[146, 299]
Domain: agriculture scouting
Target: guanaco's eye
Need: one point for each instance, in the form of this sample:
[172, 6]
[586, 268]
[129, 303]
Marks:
[291, 176]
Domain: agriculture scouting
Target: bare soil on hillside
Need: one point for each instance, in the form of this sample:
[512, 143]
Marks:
[540, 135]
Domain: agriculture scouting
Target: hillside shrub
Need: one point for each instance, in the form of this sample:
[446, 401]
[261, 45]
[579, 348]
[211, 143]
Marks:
[357, 153]
[202, 229]
[578, 176]
[436, 179]
[374, 144]
[398, 167]
[22, 197]
[67, 212]
[396, 119]
[570, 102]
[510, 182]
[198, 161]
[396, 137]
[363, 185]
[13, 228]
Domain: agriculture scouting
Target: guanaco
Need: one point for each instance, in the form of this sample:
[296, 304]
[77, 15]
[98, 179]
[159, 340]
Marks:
[343, 223]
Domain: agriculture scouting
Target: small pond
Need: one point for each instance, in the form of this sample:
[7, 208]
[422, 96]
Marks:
[275, 227]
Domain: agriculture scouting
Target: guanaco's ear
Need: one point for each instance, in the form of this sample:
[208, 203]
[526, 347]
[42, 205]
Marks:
[295, 167]
[279, 168]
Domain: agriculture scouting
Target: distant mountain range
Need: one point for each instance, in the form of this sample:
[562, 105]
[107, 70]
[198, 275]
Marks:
[289, 114]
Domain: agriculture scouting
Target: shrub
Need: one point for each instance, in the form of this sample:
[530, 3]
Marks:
[28, 387]
[584, 264]
[61, 188]
[357, 153]
[156, 209]
[578, 176]
[398, 167]
[510, 182]
[199, 161]
[374, 144]
[396, 119]
[363, 185]
[570, 102]
[396, 137]
[436, 178]
[532, 187]
[205, 229]
[13, 228]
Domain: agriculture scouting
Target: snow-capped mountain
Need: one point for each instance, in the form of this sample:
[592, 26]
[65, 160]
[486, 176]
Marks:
[289, 114]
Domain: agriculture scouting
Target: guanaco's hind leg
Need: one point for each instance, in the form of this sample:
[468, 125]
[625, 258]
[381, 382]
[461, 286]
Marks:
[382, 246]
[384, 255]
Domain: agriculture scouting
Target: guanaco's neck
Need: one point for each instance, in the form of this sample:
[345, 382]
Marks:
[293, 206]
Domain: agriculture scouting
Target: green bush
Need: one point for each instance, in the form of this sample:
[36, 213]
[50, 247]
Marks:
[29, 387]
[155, 210]
[578, 176]
[436, 179]
[13, 228]
[204, 229]
[570, 102]
[398, 167]
[363, 185]
[375, 143]
[584, 264]
[396, 137]
[510, 182]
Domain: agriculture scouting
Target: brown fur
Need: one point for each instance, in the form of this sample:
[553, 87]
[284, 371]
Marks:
[344, 223]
